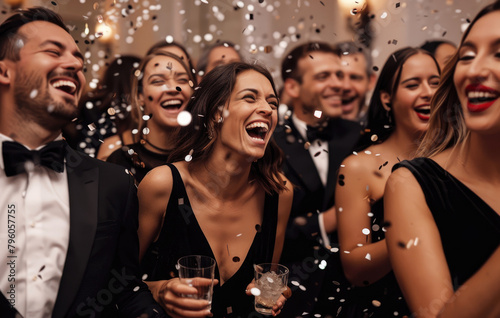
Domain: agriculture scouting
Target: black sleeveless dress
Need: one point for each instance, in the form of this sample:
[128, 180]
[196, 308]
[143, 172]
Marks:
[181, 235]
[383, 298]
[469, 227]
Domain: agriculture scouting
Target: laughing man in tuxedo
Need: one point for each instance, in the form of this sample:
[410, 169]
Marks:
[314, 140]
[68, 222]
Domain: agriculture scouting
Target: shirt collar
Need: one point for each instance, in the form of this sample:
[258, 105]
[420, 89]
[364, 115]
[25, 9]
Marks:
[300, 125]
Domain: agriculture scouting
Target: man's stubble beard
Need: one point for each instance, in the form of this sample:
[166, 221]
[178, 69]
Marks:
[35, 103]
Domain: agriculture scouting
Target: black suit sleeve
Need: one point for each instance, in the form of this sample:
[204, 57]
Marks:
[135, 299]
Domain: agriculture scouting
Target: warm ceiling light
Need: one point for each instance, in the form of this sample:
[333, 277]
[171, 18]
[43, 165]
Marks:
[14, 4]
[352, 7]
[103, 32]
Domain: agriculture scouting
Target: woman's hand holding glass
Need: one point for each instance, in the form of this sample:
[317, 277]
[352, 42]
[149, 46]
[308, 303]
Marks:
[178, 299]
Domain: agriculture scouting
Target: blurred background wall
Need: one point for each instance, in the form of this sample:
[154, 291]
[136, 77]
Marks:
[264, 30]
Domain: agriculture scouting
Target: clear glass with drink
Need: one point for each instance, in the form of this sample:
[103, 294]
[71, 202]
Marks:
[270, 280]
[198, 271]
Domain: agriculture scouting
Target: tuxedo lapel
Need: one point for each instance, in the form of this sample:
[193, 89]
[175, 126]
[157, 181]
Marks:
[344, 138]
[83, 194]
[299, 159]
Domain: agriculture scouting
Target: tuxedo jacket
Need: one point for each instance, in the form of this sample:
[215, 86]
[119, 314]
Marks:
[302, 250]
[310, 196]
[101, 267]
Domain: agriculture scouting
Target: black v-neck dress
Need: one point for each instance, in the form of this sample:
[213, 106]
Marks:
[181, 235]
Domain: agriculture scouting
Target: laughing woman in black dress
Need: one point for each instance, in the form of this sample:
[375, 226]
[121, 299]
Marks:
[223, 197]
[443, 208]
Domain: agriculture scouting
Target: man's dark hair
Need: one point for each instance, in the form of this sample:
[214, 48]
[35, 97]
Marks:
[289, 66]
[349, 47]
[9, 36]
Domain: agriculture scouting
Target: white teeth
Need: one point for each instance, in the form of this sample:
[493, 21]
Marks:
[61, 83]
[476, 94]
[258, 124]
[424, 107]
[171, 102]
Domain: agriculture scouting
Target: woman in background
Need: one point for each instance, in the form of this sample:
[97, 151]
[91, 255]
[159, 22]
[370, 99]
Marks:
[129, 134]
[161, 92]
[397, 118]
[443, 51]
[444, 207]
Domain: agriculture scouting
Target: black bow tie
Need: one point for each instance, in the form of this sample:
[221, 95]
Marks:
[318, 132]
[16, 155]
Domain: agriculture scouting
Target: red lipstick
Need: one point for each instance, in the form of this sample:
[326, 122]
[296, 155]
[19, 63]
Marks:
[474, 105]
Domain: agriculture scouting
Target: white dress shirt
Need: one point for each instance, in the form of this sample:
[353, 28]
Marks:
[319, 154]
[318, 150]
[34, 234]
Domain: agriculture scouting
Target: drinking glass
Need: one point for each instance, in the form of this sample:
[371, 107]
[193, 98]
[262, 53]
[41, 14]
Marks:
[270, 280]
[198, 271]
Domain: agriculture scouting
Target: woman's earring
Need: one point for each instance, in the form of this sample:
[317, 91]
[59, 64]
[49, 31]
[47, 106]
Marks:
[221, 120]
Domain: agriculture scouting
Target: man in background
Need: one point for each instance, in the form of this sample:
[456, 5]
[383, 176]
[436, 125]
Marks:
[315, 139]
[359, 80]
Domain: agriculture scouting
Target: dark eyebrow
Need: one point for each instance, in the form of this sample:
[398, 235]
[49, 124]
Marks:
[163, 75]
[469, 44]
[256, 92]
[77, 54]
[410, 79]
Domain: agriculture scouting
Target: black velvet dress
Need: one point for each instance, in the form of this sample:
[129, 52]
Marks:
[137, 159]
[469, 227]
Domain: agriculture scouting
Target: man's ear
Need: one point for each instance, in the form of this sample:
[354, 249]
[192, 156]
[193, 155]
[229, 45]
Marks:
[4, 73]
[292, 87]
[385, 98]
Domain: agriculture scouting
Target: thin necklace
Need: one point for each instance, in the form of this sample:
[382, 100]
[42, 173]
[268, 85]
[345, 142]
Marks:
[155, 147]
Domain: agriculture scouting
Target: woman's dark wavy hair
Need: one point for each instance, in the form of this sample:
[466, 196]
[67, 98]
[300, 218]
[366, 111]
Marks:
[380, 122]
[206, 107]
[114, 90]
[447, 125]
